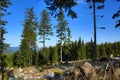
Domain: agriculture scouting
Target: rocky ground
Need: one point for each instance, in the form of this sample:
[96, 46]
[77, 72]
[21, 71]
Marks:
[84, 70]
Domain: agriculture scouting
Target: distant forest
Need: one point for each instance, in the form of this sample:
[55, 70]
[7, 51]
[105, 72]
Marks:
[77, 50]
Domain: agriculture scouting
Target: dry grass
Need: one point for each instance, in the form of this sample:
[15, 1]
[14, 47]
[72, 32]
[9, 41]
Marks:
[34, 72]
[117, 73]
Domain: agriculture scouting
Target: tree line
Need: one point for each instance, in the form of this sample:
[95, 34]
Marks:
[76, 50]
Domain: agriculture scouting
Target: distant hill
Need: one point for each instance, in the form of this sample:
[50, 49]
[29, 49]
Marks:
[14, 49]
[11, 50]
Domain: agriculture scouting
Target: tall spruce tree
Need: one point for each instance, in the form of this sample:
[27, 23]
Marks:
[95, 4]
[83, 50]
[67, 44]
[102, 51]
[55, 55]
[74, 50]
[53, 52]
[28, 42]
[68, 40]
[61, 30]
[4, 4]
[89, 49]
[79, 48]
[18, 59]
[45, 28]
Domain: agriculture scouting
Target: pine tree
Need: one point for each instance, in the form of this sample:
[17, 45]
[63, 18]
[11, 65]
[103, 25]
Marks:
[4, 4]
[40, 58]
[68, 36]
[51, 52]
[56, 5]
[107, 47]
[55, 55]
[45, 29]
[79, 49]
[74, 51]
[98, 53]
[118, 44]
[18, 59]
[67, 45]
[95, 4]
[28, 42]
[46, 57]
[89, 49]
[116, 48]
[9, 59]
[61, 30]
[102, 51]
[83, 50]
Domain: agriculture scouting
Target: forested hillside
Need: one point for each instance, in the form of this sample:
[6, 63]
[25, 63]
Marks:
[11, 50]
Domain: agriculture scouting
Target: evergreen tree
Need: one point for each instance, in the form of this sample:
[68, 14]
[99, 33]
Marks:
[118, 54]
[56, 5]
[45, 29]
[116, 47]
[55, 55]
[40, 58]
[98, 53]
[46, 57]
[83, 50]
[51, 51]
[89, 49]
[95, 4]
[67, 44]
[28, 42]
[61, 30]
[9, 60]
[102, 51]
[68, 36]
[4, 4]
[107, 49]
[18, 59]
[79, 48]
[74, 51]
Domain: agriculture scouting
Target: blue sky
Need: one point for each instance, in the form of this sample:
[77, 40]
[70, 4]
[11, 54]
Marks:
[80, 27]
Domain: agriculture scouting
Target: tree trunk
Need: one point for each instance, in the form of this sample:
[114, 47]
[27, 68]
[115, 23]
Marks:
[61, 52]
[44, 41]
[44, 46]
[94, 19]
[2, 76]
